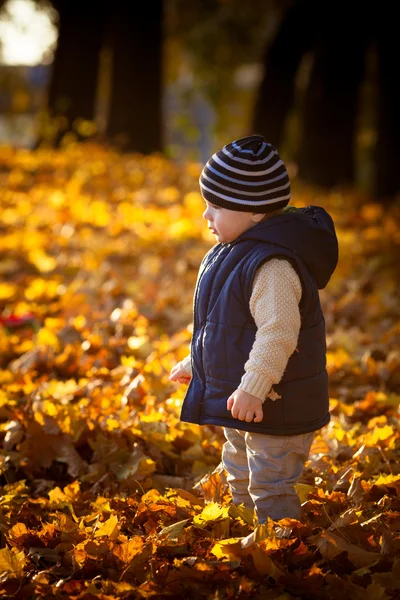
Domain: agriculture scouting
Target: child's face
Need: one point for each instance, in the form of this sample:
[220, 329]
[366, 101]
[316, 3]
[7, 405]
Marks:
[228, 224]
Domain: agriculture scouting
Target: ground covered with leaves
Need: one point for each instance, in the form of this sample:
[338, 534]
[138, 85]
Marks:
[104, 492]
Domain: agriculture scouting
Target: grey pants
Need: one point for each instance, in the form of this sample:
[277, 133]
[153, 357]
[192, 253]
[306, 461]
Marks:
[262, 470]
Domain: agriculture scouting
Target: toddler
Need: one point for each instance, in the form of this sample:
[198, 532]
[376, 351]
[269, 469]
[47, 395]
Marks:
[258, 350]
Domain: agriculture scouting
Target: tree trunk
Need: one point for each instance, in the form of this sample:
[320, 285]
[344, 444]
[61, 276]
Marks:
[73, 83]
[326, 153]
[295, 37]
[388, 122]
[135, 117]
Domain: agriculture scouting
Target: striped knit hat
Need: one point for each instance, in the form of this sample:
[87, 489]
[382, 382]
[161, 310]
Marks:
[246, 175]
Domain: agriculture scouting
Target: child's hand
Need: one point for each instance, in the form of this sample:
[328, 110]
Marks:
[178, 373]
[244, 406]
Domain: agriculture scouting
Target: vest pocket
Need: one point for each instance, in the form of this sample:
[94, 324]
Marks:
[306, 401]
[273, 412]
[213, 349]
[216, 396]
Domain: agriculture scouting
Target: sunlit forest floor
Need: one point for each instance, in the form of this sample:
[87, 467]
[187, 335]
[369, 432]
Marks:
[105, 493]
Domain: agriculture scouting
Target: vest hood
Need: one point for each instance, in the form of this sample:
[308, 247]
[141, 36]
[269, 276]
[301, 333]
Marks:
[308, 232]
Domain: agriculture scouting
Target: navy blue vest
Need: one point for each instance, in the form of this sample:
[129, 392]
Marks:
[224, 329]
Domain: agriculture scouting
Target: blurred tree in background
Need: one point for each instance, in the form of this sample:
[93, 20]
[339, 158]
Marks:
[339, 38]
[319, 81]
[133, 32]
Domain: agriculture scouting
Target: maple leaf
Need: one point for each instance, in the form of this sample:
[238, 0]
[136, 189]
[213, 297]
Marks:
[109, 528]
[12, 561]
[211, 512]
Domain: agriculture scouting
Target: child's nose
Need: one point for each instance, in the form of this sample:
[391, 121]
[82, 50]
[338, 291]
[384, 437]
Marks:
[207, 214]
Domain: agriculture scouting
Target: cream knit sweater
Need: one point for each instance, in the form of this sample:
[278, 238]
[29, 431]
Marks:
[274, 305]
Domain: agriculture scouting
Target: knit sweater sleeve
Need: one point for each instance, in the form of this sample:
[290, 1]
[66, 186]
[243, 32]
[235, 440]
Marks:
[187, 363]
[274, 305]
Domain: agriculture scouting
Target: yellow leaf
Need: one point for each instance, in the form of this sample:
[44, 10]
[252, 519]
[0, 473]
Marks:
[54, 324]
[42, 261]
[302, 489]
[264, 564]
[57, 198]
[18, 532]
[212, 512]
[146, 467]
[110, 528]
[72, 490]
[40, 289]
[7, 291]
[386, 479]
[112, 424]
[79, 322]
[61, 389]
[12, 561]
[263, 531]
[4, 398]
[57, 495]
[242, 512]
[379, 434]
[45, 337]
[337, 359]
[228, 547]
